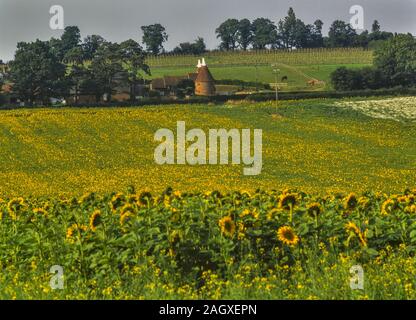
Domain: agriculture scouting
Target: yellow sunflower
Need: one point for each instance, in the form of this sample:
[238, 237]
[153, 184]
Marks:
[95, 220]
[287, 235]
[227, 226]
[388, 206]
[287, 200]
[126, 217]
[351, 227]
[314, 209]
[350, 202]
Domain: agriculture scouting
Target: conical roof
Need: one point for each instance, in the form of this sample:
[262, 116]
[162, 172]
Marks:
[204, 75]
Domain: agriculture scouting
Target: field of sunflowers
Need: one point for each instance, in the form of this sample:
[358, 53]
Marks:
[239, 245]
[65, 232]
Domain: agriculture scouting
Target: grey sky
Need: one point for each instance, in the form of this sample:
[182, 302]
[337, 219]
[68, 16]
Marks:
[185, 20]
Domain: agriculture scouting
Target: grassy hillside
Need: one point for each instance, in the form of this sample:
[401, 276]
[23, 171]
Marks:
[299, 66]
[316, 146]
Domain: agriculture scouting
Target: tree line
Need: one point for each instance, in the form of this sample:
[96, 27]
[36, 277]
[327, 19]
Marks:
[291, 32]
[394, 66]
[69, 66]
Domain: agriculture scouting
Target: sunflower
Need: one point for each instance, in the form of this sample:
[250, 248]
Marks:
[364, 202]
[351, 227]
[411, 209]
[287, 235]
[15, 204]
[350, 202]
[95, 220]
[247, 212]
[74, 228]
[37, 212]
[145, 198]
[287, 200]
[117, 201]
[126, 217]
[127, 208]
[314, 209]
[273, 213]
[387, 207]
[227, 226]
[40, 211]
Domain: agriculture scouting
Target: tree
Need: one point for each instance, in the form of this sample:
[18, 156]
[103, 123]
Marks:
[37, 73]
[76, 70]
[91, 45]
[341, 34]
[287, 29]
[344, 79]
[196, 48]
[396, 59]
[70, 39]
[244, 33]
[264, 33]
[228, 33]
[133, 58]
[105, 65]
[375, 28]
[153, 37]
[317, 40]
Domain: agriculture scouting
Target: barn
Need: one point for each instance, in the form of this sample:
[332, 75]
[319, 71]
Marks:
[204, 82]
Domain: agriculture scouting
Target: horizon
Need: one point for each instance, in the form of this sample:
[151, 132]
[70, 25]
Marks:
[103, 18]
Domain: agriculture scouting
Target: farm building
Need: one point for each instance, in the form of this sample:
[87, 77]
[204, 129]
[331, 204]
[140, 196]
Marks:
[204, 83]
[203, 79]
[168, 84]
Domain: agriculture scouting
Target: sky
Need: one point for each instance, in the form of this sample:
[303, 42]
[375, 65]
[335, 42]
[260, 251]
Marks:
[184, 20]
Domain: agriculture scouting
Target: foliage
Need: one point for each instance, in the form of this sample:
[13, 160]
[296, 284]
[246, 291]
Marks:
[264, 33]
[341, 34]
[37, 73]
[153, 37]
[396, 59]
[228, 33]
[209, 245]
[196, 48]
[395, 65]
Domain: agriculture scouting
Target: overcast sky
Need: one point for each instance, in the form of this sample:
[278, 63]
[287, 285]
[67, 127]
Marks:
[185, 20]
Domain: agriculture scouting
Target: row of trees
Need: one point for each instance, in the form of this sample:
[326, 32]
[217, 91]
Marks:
[394, 65]
[292, 32]
[45, 69]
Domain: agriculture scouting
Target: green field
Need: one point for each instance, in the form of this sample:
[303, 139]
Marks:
[299, 66]
[312, 145]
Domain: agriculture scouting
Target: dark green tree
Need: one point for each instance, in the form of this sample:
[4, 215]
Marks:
[196, 48]
[228, 33]
[341, 34]
[287, 29]
[91, 45]
[70, 39]
[244, 34]
[153, 37]
[264, 33]
[396, 59]
[104, 67]
[375, 27]
[37, 73]
[76, 70]
[134, 64]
